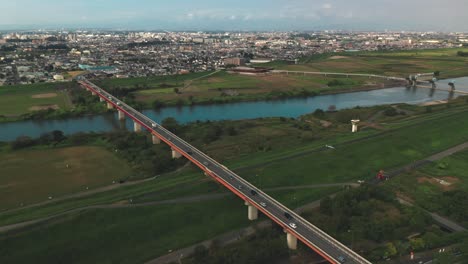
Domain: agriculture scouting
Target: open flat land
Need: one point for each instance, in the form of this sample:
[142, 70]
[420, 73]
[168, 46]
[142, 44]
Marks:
[159, 228]
[31, 176]
[20, 99]
[221, 87]
[397, 63]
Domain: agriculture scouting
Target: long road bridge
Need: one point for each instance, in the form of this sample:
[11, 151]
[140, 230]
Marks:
[255, 199]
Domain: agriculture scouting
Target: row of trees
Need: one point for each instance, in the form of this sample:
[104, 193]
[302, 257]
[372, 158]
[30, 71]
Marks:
[265, 246]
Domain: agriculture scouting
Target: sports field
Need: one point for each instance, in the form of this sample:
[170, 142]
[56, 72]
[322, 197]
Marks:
[20, 99]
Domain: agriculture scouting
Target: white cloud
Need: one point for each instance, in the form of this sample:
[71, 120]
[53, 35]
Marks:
[327, 6]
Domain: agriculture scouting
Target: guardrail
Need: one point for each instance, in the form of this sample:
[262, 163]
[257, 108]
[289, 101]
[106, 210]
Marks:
[318, 232]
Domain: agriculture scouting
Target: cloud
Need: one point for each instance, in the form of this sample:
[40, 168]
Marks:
[327, 6]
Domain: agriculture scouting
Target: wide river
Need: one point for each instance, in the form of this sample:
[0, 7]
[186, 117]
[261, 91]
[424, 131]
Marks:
[235, 111]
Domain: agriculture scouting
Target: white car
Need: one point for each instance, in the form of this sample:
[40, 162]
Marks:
[293, 225]
[153, 125]
[118, 103]
[263, 204]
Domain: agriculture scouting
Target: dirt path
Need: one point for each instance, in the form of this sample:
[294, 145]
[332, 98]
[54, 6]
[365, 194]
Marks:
[94, 191]
[191, 199]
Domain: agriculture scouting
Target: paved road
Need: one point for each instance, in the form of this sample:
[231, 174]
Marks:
[312, 236]
[440, 220]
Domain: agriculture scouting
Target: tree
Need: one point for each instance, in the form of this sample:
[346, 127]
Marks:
[58, 135]
[157, 104]
[22, 142]
[171, 124]
[390, 249]
[326, 205]
[417, 243]
[319, 113]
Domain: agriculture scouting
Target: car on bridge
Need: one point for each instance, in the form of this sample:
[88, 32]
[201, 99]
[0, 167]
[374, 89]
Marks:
[253, 192]
[263, 204]
[341, 259]
[287, 215]
[293, 225]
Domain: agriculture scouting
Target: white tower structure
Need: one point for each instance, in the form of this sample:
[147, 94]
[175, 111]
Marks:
[355, 125]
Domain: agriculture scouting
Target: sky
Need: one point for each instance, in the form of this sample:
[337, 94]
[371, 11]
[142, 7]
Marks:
[410, 15]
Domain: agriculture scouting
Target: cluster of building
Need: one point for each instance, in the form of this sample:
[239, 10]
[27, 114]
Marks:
[47, 56]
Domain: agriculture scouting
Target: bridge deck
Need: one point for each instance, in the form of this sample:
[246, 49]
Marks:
[325, 245]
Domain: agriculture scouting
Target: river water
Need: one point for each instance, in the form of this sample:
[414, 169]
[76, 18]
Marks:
[234, 111]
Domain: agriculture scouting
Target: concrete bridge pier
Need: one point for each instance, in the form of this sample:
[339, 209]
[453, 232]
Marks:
[101, 99]
[121, 115]
[93, 92]
[155, 139]
[291, 240]
[175, 154]
[136, 126]
[110, 106]
[252, 211]
[452, 86]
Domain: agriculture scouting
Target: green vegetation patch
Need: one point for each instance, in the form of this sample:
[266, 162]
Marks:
[362, 159]
[31, 176]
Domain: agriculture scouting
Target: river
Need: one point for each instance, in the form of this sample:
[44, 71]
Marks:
[234, 111]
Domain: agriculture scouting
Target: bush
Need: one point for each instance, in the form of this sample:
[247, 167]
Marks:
[462, 54]
[390, 111]
[22, 142]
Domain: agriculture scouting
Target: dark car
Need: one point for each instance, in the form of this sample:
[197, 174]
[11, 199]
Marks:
[253, 192]
[287, 215]
[189, 152]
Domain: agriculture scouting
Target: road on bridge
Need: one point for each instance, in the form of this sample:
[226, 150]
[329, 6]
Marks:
[328, 247]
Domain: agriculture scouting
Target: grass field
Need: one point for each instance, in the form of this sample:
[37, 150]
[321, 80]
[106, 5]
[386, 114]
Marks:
[21, 99]
[223, 86]
[156, 229]
[361, 160]
[32, 176]
[429, 183]
[134, 234]
[398, 63]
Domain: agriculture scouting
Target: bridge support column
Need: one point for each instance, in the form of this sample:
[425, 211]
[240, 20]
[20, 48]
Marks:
[136, 127]
[156, 140]
[121, 115]
[110, 106]
[93, 93]
[354, 122]
[252, 211]
[291, 240]
[175, 154]
[101, 99]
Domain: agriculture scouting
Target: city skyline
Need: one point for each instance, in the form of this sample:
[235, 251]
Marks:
[239, 15]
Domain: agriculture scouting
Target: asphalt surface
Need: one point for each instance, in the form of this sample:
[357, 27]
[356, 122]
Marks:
[311, 235]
